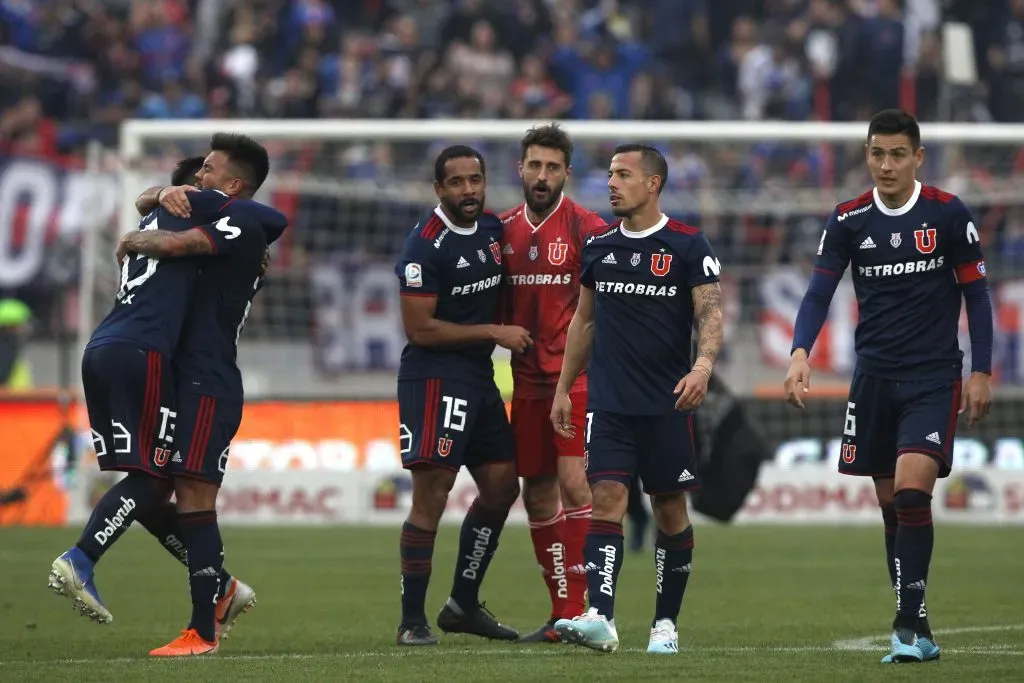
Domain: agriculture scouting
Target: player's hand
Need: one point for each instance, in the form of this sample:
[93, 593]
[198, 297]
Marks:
[977, 398]
[175, 200]
[691, 389]
[512, 337]
[798, 379]
[561, 416]
[122, 251]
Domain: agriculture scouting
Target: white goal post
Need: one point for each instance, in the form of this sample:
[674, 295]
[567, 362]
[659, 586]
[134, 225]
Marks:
[135, 133]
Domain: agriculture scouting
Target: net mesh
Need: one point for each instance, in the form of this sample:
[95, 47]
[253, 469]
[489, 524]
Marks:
[327, 323]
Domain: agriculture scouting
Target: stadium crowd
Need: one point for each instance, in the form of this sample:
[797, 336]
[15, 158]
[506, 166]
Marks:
[86, 65]
[74, 69]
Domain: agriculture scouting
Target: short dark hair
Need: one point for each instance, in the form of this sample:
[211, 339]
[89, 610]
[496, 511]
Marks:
[248, 156]
[185, 171]
[651, 160]
[895, 122]
[455, 152]
[551, 136]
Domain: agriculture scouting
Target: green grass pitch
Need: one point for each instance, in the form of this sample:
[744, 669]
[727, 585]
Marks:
[763, 604]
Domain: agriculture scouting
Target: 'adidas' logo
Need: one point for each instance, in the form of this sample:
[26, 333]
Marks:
[934, 438]
[176, 457]
[206, 571]
[916, 585]
[463, 263]
[867, 244]
[610, 258]
[507, 249]
[685, 476]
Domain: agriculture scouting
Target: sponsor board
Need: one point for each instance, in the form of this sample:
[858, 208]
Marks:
[819, 495]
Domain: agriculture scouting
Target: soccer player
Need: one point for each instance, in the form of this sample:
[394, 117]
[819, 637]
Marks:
[131, 403]
[915, 252]
[208, 381]
[451, 412]
[541, 246]
[645, 281]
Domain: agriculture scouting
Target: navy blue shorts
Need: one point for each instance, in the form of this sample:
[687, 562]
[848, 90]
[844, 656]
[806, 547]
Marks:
[886, 418]
[657, 448]
[452, 424]
[204, 428]
[130, 399]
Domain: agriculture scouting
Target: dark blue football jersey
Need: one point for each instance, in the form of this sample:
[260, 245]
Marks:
[154, 295]
[643, 313]
[206, 358]
[907, 265]
[462, 268]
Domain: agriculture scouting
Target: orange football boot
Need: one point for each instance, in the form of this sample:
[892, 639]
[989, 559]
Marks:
[188, 644]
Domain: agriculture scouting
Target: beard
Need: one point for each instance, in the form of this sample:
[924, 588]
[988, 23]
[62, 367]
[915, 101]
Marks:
[540, 202]
[464, 210]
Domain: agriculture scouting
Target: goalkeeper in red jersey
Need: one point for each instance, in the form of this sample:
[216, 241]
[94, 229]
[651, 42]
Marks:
[541, 246]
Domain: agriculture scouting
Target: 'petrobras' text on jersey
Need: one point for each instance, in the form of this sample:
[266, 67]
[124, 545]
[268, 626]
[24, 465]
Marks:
[153, 297]
[907, 265]
[643, 315]
[205, 360]
[462, 268]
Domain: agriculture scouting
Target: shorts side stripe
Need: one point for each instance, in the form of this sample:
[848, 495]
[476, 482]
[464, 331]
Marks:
[150, 406]
[200, 434]
[433, 397]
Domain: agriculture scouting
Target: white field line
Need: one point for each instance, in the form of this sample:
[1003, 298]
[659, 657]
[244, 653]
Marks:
[865, 644]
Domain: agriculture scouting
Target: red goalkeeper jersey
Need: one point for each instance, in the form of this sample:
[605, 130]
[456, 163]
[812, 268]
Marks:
[542, 277]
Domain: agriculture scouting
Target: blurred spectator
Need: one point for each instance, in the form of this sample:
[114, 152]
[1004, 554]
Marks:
[87, 60]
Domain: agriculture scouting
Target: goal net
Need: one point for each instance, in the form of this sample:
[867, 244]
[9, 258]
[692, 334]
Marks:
[327, 323]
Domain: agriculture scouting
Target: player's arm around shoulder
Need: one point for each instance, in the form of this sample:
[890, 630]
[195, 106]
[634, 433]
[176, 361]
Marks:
[205, 240]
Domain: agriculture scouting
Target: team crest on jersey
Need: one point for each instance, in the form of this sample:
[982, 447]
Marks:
[495, 252]
[925, 240]
[482, 255]
[661, 264]
[557, 252]
[533, 253]
[444, 446]
[896, 240]
[635, 261]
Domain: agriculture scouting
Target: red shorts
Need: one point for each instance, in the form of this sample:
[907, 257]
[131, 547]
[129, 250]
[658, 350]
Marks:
[538, 448]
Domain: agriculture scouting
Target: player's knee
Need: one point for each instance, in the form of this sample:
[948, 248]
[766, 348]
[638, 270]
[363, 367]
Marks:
[575, 488]
[670, 513]
[610, 501]
[193, 495]
[883, 491]
[430, 488]
[576, 492]
[500, 494]
[540, 497]
[910, 499]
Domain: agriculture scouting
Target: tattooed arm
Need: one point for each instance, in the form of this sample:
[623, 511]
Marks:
[166, 244]
[707, 311]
